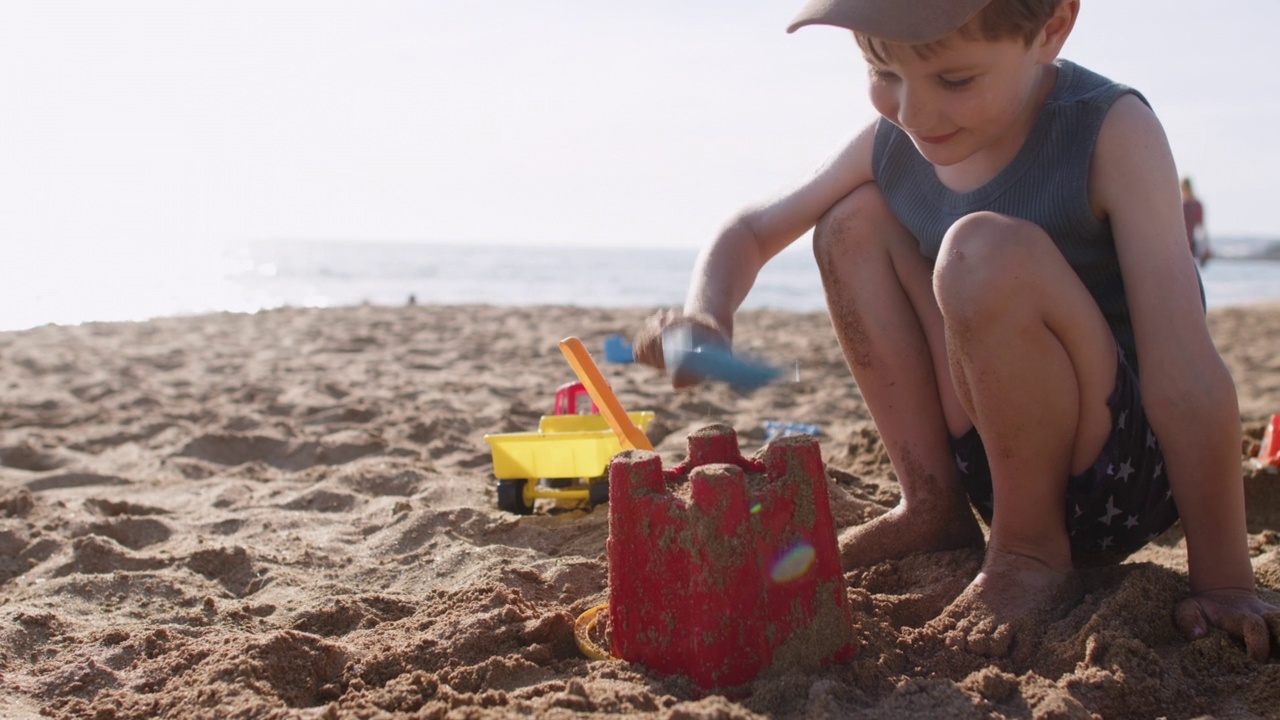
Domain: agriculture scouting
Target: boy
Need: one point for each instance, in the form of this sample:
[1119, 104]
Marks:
[999, 250]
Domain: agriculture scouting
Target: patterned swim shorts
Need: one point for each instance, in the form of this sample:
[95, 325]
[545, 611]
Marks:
[1119, 503]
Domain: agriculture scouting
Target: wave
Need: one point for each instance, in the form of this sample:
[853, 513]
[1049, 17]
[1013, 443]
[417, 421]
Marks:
[1245, 248]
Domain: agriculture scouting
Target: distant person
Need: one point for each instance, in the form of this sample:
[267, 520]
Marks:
[1193, 216]
[1003, 272]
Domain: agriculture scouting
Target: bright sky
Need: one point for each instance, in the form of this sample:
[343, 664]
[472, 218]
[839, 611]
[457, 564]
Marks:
[182, 124]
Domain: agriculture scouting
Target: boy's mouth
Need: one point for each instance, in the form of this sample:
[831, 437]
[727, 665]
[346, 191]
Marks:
[937, 139]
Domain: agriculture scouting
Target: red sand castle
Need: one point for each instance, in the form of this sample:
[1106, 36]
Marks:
[1269, 453]
[732, 573]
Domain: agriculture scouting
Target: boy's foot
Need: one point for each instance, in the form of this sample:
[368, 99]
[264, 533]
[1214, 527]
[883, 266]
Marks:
[1013, 596]
[901, 532]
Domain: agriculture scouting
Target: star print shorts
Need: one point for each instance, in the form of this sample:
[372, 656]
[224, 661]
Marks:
[1118, 504]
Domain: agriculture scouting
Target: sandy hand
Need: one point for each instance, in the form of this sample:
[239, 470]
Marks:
[1240, 612]
[647, 343]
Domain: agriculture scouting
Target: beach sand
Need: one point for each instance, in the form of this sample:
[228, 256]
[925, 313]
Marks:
[292, 514]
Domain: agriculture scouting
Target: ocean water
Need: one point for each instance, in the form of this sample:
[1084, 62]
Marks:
[254, 276]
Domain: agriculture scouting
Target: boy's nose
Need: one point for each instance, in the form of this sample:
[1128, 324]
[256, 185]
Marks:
[913, 110]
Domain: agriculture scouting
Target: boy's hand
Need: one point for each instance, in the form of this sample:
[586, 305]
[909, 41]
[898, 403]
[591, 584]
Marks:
[647, 344]
[1240, 612]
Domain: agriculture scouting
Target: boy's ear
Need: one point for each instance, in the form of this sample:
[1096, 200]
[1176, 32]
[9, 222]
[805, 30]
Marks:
[1055, 32]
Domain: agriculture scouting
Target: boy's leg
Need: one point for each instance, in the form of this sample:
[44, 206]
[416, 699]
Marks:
[890, 331]
[1034, 364]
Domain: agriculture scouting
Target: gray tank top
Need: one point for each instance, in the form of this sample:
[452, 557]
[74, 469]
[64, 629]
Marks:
[1046, 183]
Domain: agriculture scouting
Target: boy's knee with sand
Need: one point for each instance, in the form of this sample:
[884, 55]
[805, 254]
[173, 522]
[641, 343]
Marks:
[982, 256]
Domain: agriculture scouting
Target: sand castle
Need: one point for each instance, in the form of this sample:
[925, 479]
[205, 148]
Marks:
[724, 567]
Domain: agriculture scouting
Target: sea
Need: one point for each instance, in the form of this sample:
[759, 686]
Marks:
[252, 276]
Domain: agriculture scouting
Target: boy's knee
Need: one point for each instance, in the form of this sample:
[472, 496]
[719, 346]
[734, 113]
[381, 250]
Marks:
[853, 218]
[980, 259]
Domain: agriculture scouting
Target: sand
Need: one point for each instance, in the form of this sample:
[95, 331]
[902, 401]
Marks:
[292, 514]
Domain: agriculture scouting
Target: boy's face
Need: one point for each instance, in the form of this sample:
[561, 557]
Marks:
[968, 98]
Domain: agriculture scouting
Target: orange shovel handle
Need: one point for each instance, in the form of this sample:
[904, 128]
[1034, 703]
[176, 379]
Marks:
[630, 436]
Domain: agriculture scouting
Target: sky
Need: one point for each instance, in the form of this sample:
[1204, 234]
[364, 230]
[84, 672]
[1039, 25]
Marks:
[172, 127]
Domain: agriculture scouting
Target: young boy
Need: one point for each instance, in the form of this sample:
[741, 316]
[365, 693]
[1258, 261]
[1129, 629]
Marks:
[1000, 250]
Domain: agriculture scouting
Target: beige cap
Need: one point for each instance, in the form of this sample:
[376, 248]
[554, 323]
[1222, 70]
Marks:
[904, 21]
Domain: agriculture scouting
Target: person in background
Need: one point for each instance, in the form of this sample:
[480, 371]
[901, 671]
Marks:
[1193, 215]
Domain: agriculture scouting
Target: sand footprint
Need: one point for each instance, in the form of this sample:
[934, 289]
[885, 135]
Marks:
[469, 524]
[116, 508]
[381, 478]
[332, 617]
[233, 449]
[95, 554]
[321, 500]
[230, 567]
[73, 480]
[26, 456]
[133, 533]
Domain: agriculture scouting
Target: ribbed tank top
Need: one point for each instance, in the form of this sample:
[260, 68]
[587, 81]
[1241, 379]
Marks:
[1046, 183]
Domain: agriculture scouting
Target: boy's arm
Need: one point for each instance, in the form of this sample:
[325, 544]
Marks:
[727, 267]
[1187, 392]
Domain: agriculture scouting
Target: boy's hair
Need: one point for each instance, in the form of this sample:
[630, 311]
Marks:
[999, 20]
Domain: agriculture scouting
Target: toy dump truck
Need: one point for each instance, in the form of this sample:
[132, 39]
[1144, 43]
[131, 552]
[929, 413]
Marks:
[566, 459]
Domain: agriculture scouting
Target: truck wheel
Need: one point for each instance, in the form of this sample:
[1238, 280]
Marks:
[598, 492]
[511, 497]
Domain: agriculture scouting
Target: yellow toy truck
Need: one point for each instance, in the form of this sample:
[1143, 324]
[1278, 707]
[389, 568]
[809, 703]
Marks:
[566, 459]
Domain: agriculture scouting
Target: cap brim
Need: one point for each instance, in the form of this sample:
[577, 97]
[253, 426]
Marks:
[904, 21]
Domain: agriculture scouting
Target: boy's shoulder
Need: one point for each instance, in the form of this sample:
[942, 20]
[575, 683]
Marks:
[1079, 84]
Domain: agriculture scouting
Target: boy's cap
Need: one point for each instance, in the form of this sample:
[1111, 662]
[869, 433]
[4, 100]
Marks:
[904, 21]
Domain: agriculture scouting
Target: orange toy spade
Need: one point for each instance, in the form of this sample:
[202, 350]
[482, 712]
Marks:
[630, 436]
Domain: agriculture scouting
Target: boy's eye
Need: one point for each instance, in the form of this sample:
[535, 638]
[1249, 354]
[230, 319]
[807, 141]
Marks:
[955, 83]
[882, 75]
